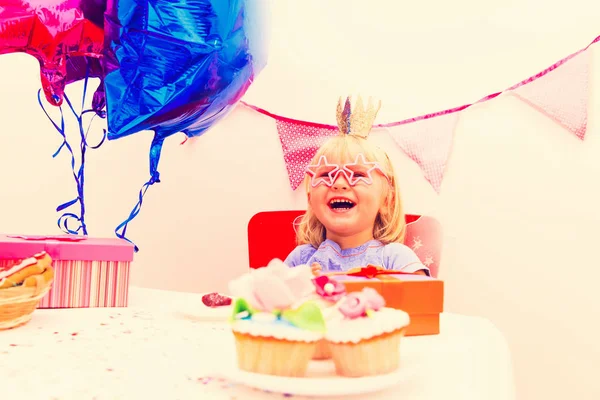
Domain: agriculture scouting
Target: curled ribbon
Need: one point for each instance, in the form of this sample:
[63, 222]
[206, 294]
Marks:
[155, 150]
[79, 173]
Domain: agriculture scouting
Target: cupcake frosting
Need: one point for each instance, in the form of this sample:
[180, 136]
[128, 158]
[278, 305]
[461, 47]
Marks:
[329, 289]
[328, 308]
[274, 302]
[326, 294]
[364, 316]
[268, 325]
[353, 330]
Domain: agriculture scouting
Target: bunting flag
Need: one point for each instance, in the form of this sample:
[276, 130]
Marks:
[559, 92]
[300, 142]
[428, 142]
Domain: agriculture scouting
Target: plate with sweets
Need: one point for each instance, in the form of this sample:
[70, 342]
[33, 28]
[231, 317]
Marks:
[321, 380]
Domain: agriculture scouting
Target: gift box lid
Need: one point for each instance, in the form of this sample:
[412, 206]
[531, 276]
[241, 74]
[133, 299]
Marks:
[66, 247]
[416, 294]
[385, 278]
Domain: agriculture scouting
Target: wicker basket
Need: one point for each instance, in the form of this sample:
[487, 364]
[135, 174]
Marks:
[17, 304]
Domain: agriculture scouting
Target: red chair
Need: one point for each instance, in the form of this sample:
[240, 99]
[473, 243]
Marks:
[271, 235]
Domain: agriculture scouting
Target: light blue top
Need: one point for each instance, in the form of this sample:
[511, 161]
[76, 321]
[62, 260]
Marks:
[331, 257]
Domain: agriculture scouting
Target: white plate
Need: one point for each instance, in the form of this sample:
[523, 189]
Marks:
[207, 314]
[195, 310]
[321, 380]
[203, 313]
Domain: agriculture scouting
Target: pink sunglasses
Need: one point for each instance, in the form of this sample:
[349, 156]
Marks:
[360, 170]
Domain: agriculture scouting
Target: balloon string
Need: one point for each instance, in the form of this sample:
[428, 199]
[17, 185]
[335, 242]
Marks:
[155, 151]
[62, 220]
[79, 173]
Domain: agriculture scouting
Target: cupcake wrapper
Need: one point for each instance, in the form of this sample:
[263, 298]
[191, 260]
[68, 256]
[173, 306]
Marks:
[322, 351]
[265, 355]
[376, 356]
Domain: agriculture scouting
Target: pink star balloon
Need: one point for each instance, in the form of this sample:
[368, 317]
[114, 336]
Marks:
[53, 31]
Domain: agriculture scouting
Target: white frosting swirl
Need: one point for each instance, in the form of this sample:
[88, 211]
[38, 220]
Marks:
[266, 325]
[328, 308]
[348, 330]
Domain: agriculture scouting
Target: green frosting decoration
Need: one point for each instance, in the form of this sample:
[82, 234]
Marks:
[241, 306]
[308, 316]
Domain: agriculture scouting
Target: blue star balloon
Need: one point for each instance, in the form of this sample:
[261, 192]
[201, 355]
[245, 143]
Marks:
[178, 65]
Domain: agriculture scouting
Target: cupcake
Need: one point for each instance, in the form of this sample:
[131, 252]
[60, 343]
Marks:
[275, 329]
[327, 293]
[366, 341]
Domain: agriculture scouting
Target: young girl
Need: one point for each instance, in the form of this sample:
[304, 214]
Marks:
[354, 215]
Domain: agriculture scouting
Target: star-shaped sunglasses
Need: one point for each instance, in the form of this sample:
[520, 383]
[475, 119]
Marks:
[358, 171]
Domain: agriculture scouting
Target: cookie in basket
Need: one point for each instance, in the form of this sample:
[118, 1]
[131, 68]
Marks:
[27, 272]
[22, 286]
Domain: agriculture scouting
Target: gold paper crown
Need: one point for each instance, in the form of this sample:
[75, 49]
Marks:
[357, 122]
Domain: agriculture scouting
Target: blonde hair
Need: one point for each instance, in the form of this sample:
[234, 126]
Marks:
[390, 224]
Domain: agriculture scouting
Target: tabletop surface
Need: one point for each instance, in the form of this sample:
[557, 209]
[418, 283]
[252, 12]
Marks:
[162, 346]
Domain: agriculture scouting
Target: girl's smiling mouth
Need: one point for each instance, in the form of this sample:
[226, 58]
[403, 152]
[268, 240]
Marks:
[340, 204]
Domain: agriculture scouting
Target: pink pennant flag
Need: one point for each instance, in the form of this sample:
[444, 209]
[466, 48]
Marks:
[428, 142]
[300, 141]
[560, 92]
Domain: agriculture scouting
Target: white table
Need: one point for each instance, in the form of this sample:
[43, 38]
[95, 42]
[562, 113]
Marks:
[156, 349]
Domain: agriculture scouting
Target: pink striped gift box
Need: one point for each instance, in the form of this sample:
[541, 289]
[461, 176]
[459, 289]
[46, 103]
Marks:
[89, 272]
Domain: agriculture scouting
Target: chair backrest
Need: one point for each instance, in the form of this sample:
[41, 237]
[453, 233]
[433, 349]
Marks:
[271, 235]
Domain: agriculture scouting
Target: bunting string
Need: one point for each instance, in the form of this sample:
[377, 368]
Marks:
[559, 92]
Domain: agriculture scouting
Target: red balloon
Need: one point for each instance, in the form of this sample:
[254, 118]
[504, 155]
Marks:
[52, 31]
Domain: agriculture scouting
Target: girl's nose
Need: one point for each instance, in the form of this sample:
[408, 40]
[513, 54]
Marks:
[341, 183]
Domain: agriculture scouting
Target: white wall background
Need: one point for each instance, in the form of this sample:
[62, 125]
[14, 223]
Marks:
[519, 203]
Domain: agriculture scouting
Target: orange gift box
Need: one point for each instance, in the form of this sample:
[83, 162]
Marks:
[422, 297]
